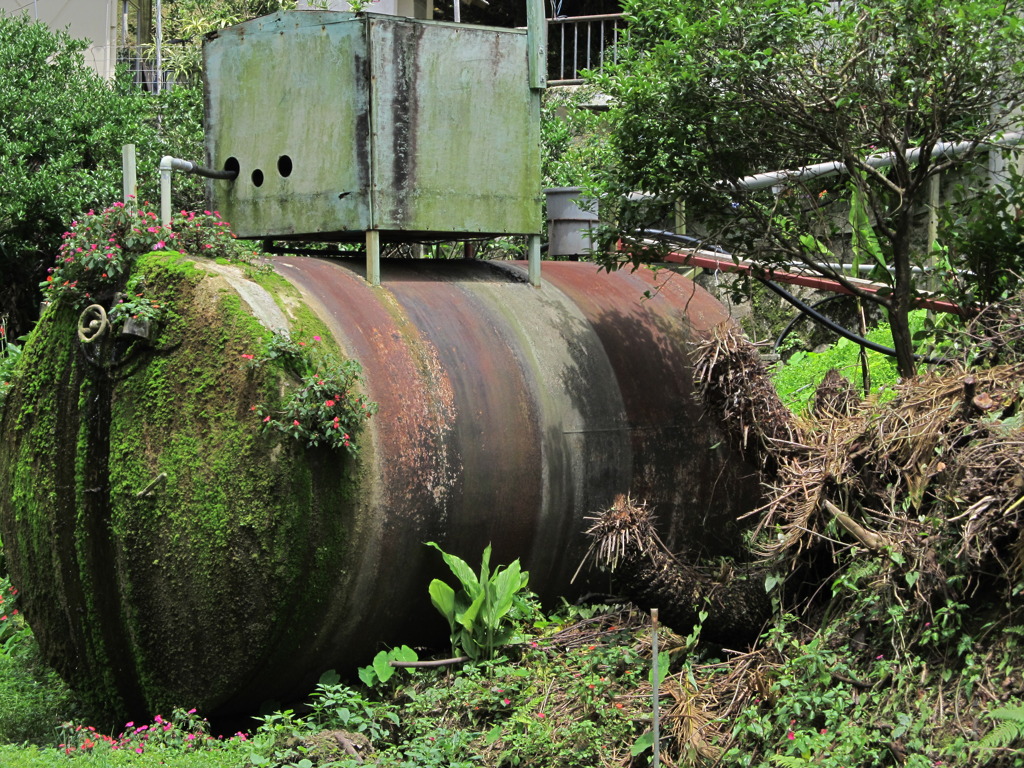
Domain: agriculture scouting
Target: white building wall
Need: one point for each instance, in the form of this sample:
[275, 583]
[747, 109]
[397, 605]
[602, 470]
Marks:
[416, 9]
[94, 20]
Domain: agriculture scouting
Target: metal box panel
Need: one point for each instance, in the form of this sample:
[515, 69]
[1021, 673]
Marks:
[456, 141]
[404, 126]
[290, 85]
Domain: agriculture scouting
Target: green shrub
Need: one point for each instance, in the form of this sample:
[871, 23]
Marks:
[33, 700]
[60, 147]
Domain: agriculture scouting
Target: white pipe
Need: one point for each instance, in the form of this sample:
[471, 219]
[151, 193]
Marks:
[169, 164]
[835, 167]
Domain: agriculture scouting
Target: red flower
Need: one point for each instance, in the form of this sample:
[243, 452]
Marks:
[295, 422]
[248, 357]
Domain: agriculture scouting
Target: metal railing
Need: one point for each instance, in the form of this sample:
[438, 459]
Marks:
[576, 43]
[141, 63]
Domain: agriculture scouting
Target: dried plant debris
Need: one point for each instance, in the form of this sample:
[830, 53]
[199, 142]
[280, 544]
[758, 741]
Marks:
[734, 384]
[835, 397]
[624, 542]
[939, 469]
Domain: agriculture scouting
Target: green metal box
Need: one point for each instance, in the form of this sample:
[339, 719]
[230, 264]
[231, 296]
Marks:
[339, 123]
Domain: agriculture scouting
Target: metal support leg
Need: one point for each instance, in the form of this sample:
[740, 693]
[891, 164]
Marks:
[373, 257]
[533, 243]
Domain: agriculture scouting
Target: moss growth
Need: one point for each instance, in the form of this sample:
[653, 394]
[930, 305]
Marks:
[183, 595]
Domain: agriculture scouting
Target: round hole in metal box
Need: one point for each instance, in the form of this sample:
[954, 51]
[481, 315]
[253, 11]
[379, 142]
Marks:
[231, 165]
[284, 165]
[257, 178]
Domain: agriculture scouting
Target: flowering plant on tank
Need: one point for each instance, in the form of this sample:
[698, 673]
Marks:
[134, 308]
[325, 406]
[99, 249]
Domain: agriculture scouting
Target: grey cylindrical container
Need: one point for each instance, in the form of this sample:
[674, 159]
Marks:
[572, 220]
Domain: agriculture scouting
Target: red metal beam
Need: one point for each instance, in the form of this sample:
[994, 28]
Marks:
[725, 263]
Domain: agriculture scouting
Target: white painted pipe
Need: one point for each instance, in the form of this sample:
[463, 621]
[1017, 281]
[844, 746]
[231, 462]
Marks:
[835, 167]
[169, 164]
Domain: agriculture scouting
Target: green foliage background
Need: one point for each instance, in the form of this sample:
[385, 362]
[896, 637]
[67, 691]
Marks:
[60, 148]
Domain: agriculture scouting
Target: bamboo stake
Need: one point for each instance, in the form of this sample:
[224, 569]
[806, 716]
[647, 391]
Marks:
[655, 725]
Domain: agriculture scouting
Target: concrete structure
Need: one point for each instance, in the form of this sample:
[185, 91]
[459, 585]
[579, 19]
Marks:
[94, 20]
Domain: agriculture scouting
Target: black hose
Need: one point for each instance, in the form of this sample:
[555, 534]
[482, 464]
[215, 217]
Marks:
[800, 316]
[845, 333]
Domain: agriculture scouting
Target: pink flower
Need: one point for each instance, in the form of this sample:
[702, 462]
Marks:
[152, 229]
[330, 404]
[266, 419]
[316, 338]
[506, 702]
[790, 735]
[160, 246]
[295, 422]
[247, 357]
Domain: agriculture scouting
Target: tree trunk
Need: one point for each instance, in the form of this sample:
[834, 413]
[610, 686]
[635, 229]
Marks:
[626, 544]
[737, 609]
[902, 293]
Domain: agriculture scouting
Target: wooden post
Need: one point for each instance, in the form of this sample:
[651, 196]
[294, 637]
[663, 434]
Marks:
[655, 724]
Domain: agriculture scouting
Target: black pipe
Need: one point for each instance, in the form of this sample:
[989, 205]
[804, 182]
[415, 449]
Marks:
[800, 316]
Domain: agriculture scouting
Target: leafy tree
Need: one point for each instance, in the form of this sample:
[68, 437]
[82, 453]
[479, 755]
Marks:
[186, 22]
[711, 91]
[61, 135]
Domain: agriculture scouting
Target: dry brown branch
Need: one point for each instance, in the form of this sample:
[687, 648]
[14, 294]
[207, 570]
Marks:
[734, 383]
[870, 539]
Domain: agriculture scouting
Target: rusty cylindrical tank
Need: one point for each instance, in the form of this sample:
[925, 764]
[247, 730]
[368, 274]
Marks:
[507, 414]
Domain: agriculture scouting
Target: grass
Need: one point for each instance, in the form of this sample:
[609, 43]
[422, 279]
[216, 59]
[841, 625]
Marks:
[797, 378]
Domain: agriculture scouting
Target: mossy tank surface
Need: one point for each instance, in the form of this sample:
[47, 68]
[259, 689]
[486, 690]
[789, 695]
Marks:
[172, 551]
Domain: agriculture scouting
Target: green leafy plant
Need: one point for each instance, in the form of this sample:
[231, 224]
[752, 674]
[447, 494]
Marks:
[874, 86]
[135, 304]
[326, 406]
[1008, 729]
[477, 613]
[798, 377]
[381, 670]
[99, 249]
[9, 354]
[183, 731]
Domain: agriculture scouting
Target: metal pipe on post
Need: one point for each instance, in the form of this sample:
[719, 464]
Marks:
[836, 167]
[536, 37]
